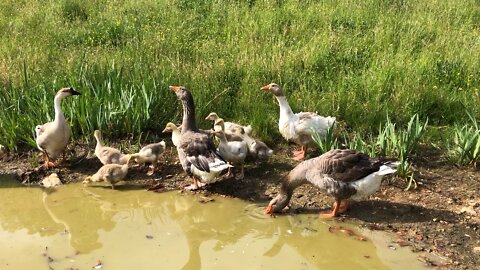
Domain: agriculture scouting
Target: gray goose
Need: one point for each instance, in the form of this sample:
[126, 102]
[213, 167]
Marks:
[196, 151]
[344, 174]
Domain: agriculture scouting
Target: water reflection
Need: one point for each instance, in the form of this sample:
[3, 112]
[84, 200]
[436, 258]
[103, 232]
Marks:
[130, 229]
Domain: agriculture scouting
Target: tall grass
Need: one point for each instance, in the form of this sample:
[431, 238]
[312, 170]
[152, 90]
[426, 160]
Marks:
[357, 60]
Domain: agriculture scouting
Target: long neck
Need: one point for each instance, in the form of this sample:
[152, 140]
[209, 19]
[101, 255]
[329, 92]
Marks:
[175, 132]
[223, 139]
[58, 109]
[99, 141]
[125, 166]
[285, 110]
[289, 184]
[188, 121]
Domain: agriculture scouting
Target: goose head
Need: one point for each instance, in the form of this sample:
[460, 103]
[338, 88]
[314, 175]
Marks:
[97, 134]
[170, 127]
[38, 130]
[277, 203]
[212, 116]
[220, 123]
[181, 92]
[129, 158]
[66, 92]
[274, 88]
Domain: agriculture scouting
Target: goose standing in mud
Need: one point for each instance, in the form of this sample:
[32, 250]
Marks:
[234, 152]
[108, 155]
[110, 173]
[196, 150]
[298, 127]
[52, 138]
[344, 174]
[149, 154]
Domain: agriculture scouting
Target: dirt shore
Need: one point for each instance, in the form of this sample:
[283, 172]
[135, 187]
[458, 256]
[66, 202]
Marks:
[441, 216]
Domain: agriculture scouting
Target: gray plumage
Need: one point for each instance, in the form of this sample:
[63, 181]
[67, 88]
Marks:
[340, 173]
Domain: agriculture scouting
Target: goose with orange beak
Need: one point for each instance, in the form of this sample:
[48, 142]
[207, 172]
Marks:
[298, 127]
[344, 174]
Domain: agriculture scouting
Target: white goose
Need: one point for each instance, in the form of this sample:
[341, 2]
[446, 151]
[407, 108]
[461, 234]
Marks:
[52, 138]
[298, 127]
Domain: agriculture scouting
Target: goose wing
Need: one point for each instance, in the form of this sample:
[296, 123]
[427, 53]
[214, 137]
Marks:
[342, 166]
[306, 121]
[199, 149]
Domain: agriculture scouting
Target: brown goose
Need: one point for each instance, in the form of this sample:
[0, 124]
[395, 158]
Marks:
[196, 150]
[298, 127]
[343, 174]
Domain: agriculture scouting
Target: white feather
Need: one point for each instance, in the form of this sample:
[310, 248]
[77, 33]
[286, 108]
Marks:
[371, 183]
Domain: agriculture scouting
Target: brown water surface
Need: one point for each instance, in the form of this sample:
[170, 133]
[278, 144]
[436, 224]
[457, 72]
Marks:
[130, 228]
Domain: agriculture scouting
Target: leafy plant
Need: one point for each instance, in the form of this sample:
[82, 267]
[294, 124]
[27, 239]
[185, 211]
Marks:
[401, 143]
[466, 143]
[325, 142]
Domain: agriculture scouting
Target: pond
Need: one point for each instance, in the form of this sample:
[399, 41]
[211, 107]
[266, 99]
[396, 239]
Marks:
[76, 227]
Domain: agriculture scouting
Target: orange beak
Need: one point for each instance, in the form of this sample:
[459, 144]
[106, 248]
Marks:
[269, 210]
[266, 87]
[174, 88]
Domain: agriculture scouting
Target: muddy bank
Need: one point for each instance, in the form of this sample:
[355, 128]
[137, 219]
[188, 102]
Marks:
[440, 217]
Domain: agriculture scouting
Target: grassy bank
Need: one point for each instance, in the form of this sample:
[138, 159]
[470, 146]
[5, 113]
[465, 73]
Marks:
[357, 60]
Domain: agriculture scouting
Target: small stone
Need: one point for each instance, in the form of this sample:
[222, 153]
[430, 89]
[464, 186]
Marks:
[469, 210]
[476, 250]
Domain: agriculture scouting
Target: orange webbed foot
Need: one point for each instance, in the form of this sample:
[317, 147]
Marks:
[150, 171]
[327, 214]
[344, 206]
[298, 155]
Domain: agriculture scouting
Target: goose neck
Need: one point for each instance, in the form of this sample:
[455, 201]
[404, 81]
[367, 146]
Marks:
[58, 108]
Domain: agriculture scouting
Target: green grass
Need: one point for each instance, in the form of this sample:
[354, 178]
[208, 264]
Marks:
[357, 60]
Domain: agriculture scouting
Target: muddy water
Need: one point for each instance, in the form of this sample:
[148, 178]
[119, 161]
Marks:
[130, 228]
